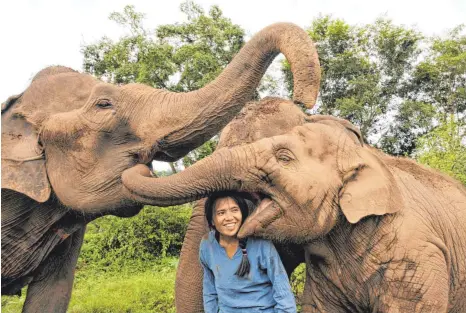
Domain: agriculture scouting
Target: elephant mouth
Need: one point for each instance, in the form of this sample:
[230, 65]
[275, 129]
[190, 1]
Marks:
[266, 212]
[147, 156]
[157, 153]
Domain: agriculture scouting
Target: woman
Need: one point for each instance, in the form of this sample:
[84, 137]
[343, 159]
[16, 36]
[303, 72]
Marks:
[240, 275]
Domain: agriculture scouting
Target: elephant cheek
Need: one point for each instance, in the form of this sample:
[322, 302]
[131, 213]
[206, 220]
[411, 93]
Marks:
[63, 130]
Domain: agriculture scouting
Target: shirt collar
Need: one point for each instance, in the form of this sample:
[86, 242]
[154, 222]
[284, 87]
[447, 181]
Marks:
[212, 236]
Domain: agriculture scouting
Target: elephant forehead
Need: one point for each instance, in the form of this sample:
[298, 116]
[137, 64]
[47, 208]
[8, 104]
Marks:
[317, 134]
[105, 91]
[266, 118]
[313, 140]
[60, 93]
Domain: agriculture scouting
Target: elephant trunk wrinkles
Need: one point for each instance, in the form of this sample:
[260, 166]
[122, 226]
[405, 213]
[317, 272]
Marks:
[207, 175]
[205, 111]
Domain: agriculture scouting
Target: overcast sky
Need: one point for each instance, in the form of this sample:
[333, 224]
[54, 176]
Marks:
[36, 34]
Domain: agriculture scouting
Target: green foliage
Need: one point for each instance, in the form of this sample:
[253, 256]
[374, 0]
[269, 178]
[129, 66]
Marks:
[195, 51]
[134, 58]
[440, 79]
[413, 119]
[444, 149]
[203, 46]
[297, 280]
[13, 304]
[154, 233]
[436, 88]
[205, 150]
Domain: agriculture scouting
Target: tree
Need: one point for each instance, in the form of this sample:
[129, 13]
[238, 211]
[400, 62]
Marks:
[444, 149]
[178, 57]
[435, 91]
[196, 51]
[363, 69]
[202, 47]
[136, 57]
[440, 79]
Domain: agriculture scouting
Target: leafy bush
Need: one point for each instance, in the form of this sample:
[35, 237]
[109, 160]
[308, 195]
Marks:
[122, 290]
[444, 149]
[153, 233]
[297, 280]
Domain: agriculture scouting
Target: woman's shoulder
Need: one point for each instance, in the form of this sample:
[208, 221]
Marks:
[260, 243]
[207, 239]
[206, 249]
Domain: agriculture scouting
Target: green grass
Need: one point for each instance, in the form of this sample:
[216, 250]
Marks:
[13, 304]
[118, 290]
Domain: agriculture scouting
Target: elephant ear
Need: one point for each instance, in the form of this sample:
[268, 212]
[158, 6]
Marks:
[369, 187]
[23, 164]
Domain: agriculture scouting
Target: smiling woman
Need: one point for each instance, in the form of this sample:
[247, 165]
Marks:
[232, 266]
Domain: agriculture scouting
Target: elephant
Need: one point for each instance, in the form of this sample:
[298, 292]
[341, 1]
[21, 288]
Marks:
[67, 139]
[379, 233]
[268, 117]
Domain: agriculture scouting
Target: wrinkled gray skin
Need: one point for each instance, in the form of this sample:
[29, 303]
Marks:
[67, 139]
[266, 118]
[380, 234]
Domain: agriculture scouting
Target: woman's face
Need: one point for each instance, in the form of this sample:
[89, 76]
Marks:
[227, 217]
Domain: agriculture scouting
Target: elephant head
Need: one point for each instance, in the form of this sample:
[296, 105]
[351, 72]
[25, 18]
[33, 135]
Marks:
[310, 178]
[73, 134]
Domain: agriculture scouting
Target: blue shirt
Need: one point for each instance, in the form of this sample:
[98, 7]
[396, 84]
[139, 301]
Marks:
[266, 289]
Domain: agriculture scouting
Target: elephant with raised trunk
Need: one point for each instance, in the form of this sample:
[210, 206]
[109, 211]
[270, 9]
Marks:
[379, 233]
[67, 139]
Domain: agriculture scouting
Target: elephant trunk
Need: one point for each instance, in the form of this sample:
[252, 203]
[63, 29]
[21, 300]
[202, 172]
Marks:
[200, 114]
[208, 175]
[188, 283]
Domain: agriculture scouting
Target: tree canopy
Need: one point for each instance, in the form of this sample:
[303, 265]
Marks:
[179, 57]
[434, 92]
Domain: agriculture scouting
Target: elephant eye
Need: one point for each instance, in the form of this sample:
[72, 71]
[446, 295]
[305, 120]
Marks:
[284, 156]
[104, 104]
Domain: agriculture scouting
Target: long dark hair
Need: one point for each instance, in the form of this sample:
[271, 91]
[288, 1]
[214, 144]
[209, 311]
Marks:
[245, 205]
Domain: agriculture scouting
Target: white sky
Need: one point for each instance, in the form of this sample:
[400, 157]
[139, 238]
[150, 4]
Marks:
[36, 34]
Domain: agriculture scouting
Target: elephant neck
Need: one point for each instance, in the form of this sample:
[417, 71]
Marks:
[369, 238]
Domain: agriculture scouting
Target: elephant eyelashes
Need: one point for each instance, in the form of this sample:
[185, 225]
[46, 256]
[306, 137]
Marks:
[284, 156]
[104, 104]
